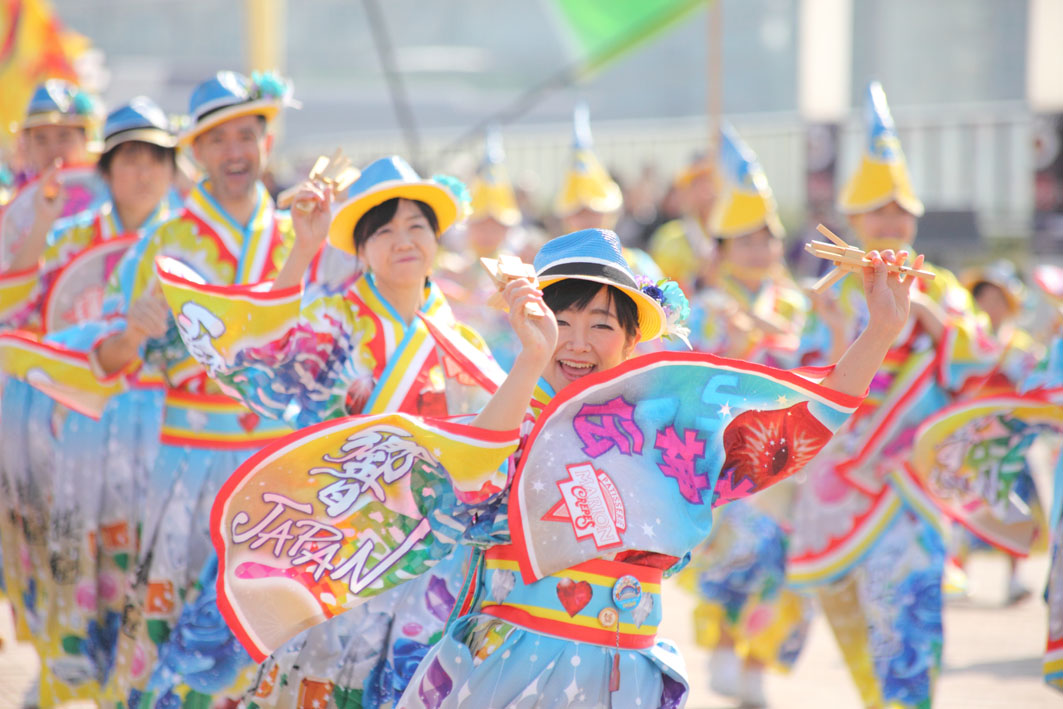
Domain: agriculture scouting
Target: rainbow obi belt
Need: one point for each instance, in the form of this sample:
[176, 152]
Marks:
[611, 603]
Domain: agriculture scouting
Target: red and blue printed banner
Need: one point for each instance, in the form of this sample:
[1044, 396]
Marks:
[631, 458]
[635, 458]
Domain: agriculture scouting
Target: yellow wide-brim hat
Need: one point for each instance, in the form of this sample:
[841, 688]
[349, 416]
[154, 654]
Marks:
[389, 178]
[268, 109]
[596, 255]
[746, 203]
[883, 173]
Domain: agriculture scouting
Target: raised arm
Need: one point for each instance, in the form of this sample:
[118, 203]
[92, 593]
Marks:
[888, 301]
[538, 338]
[311, 229]
[48, 202]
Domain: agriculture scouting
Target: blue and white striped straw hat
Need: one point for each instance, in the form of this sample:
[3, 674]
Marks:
[596, 255]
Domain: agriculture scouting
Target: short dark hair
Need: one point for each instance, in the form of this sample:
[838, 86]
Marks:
[978, 288]
[383, 213]
[158, 153]
[578, 293]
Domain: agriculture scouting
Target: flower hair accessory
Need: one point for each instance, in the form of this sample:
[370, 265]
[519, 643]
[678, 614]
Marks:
[673, 302]
[460, 192]
[271, 85]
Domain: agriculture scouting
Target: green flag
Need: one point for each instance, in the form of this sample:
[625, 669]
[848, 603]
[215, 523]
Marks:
[606, 29]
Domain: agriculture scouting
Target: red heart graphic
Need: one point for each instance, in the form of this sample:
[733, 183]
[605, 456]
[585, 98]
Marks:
[573, 596]
[248, 421]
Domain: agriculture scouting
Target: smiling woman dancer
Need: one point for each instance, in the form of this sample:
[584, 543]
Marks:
[546, 617]
[389, 343]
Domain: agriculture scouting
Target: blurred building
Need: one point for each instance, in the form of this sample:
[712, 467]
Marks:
[953, 69]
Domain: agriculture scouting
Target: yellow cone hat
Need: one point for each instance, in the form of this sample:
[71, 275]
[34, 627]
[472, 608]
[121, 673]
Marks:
[587, 185]
[883, 173]
[745, 203]
[491, 190]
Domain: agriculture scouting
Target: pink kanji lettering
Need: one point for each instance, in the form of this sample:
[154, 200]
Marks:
[680, 457]
[602, 426]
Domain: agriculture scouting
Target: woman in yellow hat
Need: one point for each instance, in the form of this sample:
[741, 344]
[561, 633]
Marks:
[745, 614]
[390, 342]
[865, 536]
[588, 473]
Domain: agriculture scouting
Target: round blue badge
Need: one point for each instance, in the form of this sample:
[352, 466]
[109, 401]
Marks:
[627, 592]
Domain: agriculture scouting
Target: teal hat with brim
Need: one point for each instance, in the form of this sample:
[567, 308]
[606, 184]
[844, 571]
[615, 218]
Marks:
[230, 95]
[139, 120]
[596, 255]
[384, 179]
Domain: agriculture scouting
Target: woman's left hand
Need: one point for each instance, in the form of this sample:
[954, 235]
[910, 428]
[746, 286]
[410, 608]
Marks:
[888, 294]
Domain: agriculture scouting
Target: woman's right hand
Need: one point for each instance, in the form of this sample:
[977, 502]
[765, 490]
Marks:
[149, 317]
[538, 335]
[311, 215]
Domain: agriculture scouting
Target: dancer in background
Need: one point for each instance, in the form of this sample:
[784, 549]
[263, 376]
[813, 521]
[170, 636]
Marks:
[229, 231]
[57, 137]
[589, 197]
[493, 228]
[389, 343]
[746, 616]
[89, 496]
[684, 248]
[663, 437]
[1049, 376]
[52, 479]
[866, 537]
[998, 292]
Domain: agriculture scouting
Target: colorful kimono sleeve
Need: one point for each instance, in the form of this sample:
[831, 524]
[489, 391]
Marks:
[283, 358]
[63, 373]
[970, 456]
[22, 292]
[637, 461]
[332, 515]
[126, 283]
[1049, 371]
[966, 350]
